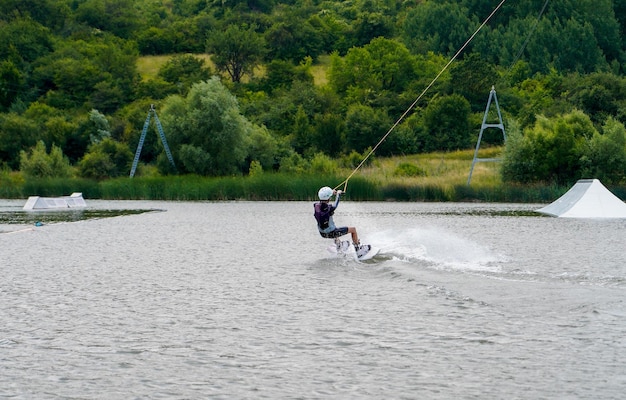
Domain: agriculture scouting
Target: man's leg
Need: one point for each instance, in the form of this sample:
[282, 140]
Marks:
[355, 237]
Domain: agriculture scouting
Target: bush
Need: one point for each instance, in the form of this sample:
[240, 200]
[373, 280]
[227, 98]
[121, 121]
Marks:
[293, 163]
[323, 165]
[255, 168]
[106, 159]
[557, 150]
[38, 163]
[408, 169]
[11, 183]
[355, 158]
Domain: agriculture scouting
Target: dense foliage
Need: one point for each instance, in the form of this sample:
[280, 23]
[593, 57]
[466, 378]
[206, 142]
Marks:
[71, 92]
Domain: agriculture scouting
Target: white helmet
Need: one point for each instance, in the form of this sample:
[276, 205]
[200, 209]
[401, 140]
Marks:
[325, 193]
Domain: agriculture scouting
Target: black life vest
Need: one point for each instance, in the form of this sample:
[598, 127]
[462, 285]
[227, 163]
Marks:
[323, 211]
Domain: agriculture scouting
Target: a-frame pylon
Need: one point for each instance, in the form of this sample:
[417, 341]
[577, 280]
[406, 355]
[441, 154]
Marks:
[485, 125]
[143, 138]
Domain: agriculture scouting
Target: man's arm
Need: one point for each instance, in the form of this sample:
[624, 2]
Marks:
[338, 193]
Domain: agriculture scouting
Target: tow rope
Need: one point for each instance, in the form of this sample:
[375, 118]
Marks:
[345, 182]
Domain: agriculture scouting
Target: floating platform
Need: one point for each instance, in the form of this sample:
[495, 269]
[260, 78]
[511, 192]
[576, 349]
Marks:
[75, 200]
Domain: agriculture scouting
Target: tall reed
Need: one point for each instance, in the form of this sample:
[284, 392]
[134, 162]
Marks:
[60, 187]
[280, 186]
[266, 186]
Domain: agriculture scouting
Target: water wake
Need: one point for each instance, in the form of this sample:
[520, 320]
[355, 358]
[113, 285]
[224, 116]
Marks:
[436, 248]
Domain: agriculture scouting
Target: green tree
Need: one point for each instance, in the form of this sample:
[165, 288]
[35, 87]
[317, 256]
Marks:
[11, 80]
[189, 35]
[206, 131]
[106, 158]
[551, 46]
[593, 25]
[376, 75]
[280, 74]
[519, 159]
[293, 163]
[74, 73]
[95, 165]
[183, 71]
[322, 165]
[156, 40]
[601, 14]
[446, 124]
[541, 94]
[263, 148]
[619, 8]
[262, 6]
[403, 139]
[371, 25]
[49, 13]
[334, 31]
[38, 163]
[302, 132]
[119, 17]
[78, 139]
[164, 32]
[24, 40]
[101, 129]
[278, 112]
[187, 8]
[550, 151]
[365, 126]
[605, 157]
[236, 50]
[329, 133]
[473, 78]
[292, 38]
[441, 27]
[55, 126]
[16, 133]
[599, 95]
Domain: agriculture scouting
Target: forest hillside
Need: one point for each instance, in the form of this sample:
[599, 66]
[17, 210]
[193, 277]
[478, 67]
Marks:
[267, 85]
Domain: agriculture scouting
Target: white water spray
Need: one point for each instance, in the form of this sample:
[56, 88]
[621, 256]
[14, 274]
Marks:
[434, 246]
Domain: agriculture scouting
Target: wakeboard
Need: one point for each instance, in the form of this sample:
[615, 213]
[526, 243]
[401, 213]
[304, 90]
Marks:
[369, 255]
[350, 251]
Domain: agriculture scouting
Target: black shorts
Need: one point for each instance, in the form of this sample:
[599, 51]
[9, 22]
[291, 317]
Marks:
[336, 233]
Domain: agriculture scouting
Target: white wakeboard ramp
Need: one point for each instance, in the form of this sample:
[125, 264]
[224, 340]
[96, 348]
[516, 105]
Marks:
[75, 200]
[588, 198]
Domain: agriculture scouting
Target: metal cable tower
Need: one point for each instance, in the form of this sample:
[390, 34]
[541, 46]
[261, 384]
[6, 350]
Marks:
[485, 125]
[143, 138]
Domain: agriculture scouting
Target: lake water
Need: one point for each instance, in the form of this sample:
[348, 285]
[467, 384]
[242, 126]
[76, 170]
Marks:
[242, 300]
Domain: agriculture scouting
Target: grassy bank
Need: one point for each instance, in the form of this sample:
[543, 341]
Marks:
[272, 187]
[424, 177]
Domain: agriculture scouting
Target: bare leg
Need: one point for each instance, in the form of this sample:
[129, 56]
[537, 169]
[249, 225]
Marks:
[355, 237]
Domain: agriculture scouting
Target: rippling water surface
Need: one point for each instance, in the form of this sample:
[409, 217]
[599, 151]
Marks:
[241, 300]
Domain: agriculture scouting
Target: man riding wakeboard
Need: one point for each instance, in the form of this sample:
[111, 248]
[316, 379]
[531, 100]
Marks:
[324, 215]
